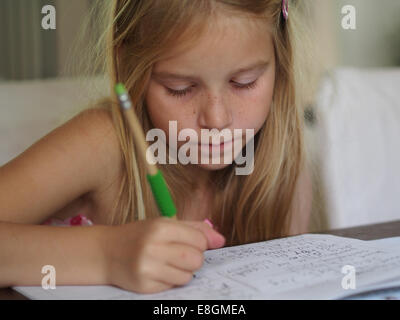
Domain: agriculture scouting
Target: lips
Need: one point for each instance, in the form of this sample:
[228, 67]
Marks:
[219, 147]
[216, 145]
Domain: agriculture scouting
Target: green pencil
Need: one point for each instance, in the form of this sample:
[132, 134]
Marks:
[158, 186]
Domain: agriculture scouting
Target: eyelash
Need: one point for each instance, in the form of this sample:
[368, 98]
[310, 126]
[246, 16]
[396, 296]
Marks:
[182, 93]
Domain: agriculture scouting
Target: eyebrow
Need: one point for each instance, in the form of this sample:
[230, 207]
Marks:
[168, 75]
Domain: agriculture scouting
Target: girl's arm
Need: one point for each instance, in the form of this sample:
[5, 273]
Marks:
[144, 256]
[71, 161]
[77, 158]
[67, 163]
[76, 253]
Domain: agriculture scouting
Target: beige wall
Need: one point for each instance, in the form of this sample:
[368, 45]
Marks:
[324, 33]
[374, 43]
[27, 51]
[71, 14]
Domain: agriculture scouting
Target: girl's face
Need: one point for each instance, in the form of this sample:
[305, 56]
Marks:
[225, 81]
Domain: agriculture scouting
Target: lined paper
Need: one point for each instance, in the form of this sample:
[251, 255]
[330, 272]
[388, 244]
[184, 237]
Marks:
[307, 266]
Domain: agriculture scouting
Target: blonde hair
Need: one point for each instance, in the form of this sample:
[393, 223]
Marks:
[245, 209]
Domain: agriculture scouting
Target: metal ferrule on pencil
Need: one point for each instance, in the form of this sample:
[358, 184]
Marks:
[124, 101]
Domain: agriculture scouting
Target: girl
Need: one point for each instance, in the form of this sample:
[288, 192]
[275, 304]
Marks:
[207, 64]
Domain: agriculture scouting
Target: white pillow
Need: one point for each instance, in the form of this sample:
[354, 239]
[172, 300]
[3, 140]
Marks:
[31, 109]
[358, 129]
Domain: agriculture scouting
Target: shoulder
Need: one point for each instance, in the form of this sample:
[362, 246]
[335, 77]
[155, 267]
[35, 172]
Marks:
[95, 130]
[95, 122]
[302, 203]
[100, 146]
[107, 160]
[72, 160]
[97, 125]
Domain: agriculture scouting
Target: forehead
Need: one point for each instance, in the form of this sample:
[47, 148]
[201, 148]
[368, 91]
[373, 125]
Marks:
[225, 41]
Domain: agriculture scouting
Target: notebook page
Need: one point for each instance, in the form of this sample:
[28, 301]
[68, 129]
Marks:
[307, 266]
[392, 243]
[382, 290]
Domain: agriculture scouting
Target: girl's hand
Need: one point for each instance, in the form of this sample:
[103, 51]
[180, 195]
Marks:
[157, 254]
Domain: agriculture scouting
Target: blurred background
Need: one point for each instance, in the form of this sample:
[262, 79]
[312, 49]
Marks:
[353, 119]
[29, 52]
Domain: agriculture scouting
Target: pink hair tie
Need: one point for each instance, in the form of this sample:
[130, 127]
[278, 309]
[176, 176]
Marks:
[285, 9]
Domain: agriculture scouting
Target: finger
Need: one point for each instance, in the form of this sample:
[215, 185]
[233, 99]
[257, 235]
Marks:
[172, 276]
[179, 232]
[151, 286]
[180, 256]
[214, 239]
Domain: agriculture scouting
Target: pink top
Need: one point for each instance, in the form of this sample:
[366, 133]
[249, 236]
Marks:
[79, 220]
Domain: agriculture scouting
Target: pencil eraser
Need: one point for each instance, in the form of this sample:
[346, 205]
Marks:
[120, 89]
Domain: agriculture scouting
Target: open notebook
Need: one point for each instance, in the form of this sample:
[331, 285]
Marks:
[307, 266]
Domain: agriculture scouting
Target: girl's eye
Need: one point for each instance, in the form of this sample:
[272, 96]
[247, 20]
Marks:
[183, 92]
[250, 85]
[178, 93]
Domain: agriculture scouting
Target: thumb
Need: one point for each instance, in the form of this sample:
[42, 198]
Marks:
[214, 239]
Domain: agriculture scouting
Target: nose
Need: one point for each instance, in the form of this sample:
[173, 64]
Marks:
[215, 114]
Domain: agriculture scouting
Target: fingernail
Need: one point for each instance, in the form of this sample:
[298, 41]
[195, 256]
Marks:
[209, 223]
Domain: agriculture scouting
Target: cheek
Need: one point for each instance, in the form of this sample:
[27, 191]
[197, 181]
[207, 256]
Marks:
[163, 108]
[159, 109]
[255, 109]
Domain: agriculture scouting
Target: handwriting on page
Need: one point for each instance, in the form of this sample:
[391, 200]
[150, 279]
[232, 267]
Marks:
[263, 269]
[302, 267]
[298, 261]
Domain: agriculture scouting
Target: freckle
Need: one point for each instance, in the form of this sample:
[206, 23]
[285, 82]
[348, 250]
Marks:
[194, 111]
